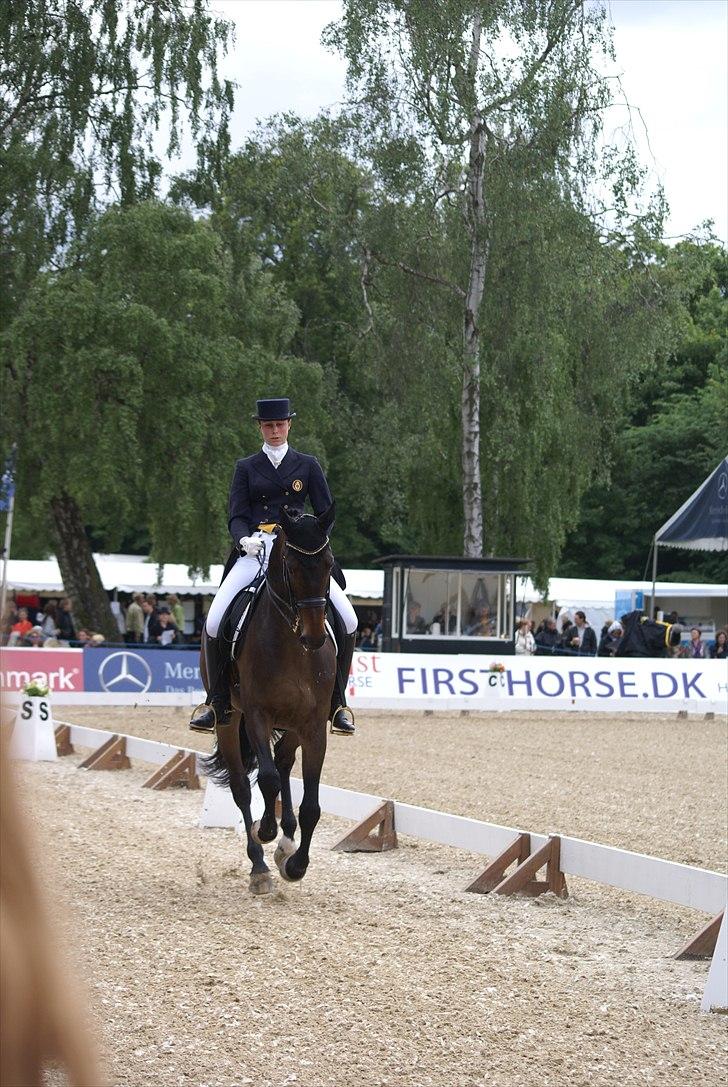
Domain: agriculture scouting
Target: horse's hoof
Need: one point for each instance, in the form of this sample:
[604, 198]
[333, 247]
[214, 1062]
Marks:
[285, 848]
[261, 883]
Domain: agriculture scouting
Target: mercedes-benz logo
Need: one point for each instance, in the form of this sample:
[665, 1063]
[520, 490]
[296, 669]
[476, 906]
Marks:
[722, 486]
[127, 669]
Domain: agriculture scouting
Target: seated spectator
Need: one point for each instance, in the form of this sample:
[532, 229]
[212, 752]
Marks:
[82, 638]
[367, 642]
[415, 620]
[609, 641]
[547, 638]
[719, 649]
[34, 638]
[697, 646]
[49, 619]
[23, 624]
[482, 624]
[96, 640]
[525, 642]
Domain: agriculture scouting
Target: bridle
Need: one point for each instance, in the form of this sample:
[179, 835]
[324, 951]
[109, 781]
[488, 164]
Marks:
[289, 609]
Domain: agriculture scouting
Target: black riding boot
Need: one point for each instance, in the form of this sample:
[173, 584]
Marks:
[342, 719]
[217, 706]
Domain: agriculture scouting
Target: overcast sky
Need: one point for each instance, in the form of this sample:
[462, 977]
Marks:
[672, 56]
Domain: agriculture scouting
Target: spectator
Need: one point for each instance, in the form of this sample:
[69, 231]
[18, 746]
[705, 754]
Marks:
[525, 641]
[568, 632]
[583, 638]
[178, 614]
[49, 620]
[482, 625]
[22, 626]
[66, 621]
[96, 640]
[168, 632]
[82, 638]
[368, 641]
[135, 620]
[34, 638]
[696, 648]
[152, 627]
[547, 638]
[719, 649]
[415, 620]
[609, 640]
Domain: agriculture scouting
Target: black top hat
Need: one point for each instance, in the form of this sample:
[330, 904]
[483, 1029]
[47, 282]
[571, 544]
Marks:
[268, 410]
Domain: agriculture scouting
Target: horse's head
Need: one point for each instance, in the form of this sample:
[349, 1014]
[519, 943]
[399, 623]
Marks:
[305, 562]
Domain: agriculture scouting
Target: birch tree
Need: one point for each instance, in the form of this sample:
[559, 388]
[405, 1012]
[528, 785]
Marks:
[508, 92]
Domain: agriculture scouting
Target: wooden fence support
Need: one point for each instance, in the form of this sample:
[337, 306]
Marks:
[702, 944]
[489, 879]
[522, 882]
[361, 840]
[181, 769]
[110, 756]
[63, 740]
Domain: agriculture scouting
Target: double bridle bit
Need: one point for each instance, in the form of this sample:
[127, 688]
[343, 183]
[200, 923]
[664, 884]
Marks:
[292, 604]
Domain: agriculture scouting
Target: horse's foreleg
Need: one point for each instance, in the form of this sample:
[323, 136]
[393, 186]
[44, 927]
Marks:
[269, 783]
[229, 745]
[309, 812]
[285, 756]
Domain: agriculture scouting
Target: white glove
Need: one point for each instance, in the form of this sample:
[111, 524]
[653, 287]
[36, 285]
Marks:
[251, 545]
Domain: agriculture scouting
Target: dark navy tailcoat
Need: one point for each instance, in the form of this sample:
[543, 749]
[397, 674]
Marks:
[259, 491]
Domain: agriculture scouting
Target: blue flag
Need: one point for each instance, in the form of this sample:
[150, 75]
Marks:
[7, 483]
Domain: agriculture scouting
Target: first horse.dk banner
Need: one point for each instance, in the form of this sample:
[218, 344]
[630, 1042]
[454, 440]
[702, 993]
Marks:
[398, 680]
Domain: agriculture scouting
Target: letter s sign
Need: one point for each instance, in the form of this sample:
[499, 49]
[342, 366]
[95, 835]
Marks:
[26, 710]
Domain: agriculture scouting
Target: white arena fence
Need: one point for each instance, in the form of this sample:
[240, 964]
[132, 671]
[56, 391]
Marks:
[666, 881]
[426, 681]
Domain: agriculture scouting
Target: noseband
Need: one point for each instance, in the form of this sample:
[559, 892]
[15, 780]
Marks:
[288, 609]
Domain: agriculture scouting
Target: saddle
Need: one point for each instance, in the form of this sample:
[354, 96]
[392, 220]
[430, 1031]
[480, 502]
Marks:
[240, 611]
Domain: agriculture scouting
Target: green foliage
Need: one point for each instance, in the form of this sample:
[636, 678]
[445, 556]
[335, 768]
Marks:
[673, 431]
[129, 388]
[85, 86]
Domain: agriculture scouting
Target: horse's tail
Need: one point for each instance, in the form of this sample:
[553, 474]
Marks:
[214, 765]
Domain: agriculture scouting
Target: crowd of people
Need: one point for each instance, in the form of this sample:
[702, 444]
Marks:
[146, 620]
[578, 637]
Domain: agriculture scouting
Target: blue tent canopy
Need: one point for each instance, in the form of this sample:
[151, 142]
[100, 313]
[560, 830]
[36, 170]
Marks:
[701, 523]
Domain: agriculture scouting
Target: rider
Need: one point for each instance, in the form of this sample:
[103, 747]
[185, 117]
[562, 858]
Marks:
[277, 477]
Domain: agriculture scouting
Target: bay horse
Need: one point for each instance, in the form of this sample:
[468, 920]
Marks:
[282, 682]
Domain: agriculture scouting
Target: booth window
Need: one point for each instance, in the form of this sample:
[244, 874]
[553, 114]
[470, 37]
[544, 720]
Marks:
[450, 603]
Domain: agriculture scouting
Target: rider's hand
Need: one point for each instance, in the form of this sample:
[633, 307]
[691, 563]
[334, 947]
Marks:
[251, 545]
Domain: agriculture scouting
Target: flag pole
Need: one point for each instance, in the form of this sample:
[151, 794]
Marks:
[10, 484]
[654, 575]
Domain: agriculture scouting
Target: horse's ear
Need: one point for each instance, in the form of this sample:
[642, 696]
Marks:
[327, 518]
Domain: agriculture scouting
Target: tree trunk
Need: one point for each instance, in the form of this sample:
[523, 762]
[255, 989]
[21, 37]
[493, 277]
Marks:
[81, 579]
[470, 398]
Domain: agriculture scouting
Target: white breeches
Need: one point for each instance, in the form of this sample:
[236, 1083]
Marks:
[243, 572]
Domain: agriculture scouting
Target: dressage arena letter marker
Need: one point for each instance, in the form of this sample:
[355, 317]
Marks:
[63, 740]
[181, 769]
[361, 840]
[522, 882]
[487, 881]
[702, 944]
[110, 756]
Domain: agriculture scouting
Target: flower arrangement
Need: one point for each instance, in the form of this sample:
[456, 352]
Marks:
[36, 689]
[496, 666]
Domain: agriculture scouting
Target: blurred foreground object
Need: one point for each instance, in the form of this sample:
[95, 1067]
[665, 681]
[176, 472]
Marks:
[41, 1018]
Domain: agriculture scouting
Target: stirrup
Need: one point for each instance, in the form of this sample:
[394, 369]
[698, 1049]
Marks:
[205, 707]
[343, 730]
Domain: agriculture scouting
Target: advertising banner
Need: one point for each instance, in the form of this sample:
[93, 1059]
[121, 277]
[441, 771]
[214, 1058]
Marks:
[135, 670]
[61, 670]
[645, 684]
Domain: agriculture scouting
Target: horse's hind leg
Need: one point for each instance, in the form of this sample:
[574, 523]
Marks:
[309, 812]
